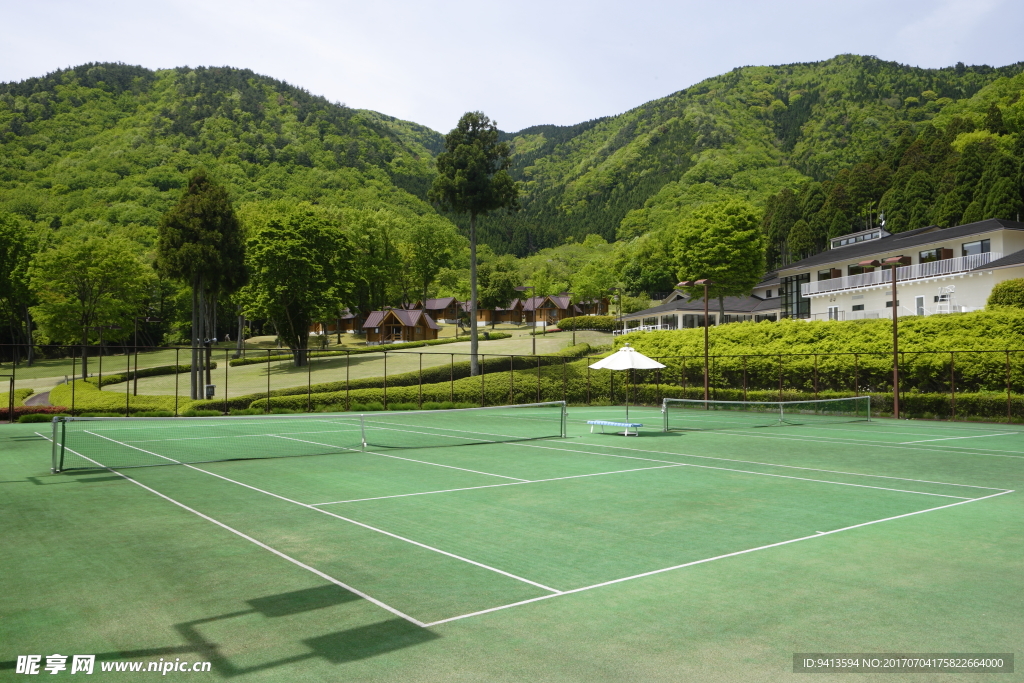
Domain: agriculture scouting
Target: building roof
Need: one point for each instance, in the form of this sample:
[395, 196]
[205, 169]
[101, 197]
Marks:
[407, 318]
[733, 304]
[903, 240]
[1014, 259]
[439, 304]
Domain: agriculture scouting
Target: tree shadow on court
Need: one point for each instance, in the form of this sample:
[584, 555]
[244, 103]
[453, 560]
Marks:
[340, 647]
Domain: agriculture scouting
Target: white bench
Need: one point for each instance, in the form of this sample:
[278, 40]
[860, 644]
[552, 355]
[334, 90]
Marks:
[611, 423]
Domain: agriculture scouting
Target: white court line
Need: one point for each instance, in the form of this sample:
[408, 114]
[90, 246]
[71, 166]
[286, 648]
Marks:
[819, 534]
[491, 486]
[280, 554]
[793, 467]
[729, 469]
[952, 438]
[386, 455]
[331, 514]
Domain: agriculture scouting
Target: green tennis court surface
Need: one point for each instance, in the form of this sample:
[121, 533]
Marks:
[688, 555]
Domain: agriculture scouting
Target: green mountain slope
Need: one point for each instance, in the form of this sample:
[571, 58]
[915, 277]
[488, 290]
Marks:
[107, 146]
[746, 133]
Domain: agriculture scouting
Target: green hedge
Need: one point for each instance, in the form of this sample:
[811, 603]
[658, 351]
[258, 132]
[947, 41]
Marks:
[118, 377]
[88, 398]
[979, 364]
[369, 349]
[602, 323]
[19, 397]
[436, 375]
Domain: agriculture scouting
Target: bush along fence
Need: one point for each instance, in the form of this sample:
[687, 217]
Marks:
[948, 385]
[255, 359]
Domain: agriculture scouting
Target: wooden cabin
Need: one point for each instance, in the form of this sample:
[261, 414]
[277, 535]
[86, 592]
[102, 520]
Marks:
[347, 322]
[512, 314]
[594, 306]
[446, 309]
[394, 326]
[550, 309]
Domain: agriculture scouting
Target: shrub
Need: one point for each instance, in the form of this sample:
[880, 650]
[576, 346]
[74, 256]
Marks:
[19, 397]
[369, 349]
[154, 413]
[1007, 293]
[40, 417]
[88, 397]
[33, 410]
[602, 323]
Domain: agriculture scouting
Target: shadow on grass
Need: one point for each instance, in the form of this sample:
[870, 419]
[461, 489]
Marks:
[349, 645]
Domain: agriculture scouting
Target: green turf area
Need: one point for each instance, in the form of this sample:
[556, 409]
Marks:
[701, 555]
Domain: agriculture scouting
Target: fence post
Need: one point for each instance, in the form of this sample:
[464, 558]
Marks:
[127, 388]
[385, 380]
[348, 363]
[511, 380]
[856, 374]
[177, 353]
[780, 377]
[309, 380]
[815, 377]
[483, 372]
[657, 379]
[74, 366]
[744, 378]
[227, 364]
[682, 372]
[588, 384]
[268, 381]
[451, 380]
[538, 379]
[563, 379]
[952, 384]
[1009, 417]
[421, 381]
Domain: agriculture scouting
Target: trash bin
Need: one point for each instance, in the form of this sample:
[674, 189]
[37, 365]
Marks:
[211, 389]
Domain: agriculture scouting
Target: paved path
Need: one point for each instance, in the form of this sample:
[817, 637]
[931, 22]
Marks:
[42, 399]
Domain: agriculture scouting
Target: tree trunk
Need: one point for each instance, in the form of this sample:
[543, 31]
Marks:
[28, 336]
[195, 337]
[721, 309]
[85, 353]
[211, 337]
[241, 333]
[474, 363]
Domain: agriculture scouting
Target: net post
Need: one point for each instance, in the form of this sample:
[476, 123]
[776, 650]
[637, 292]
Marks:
[869, 408]
[53, 447]
[362, 430]
[565, 420]
[664, 414]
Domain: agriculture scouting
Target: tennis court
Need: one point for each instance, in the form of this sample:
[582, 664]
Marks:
[440, 519]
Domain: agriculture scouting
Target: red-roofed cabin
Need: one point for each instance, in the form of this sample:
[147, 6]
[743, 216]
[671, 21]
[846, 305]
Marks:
[397, 325]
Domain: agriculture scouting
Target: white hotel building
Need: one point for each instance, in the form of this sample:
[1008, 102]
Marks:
[951, 270]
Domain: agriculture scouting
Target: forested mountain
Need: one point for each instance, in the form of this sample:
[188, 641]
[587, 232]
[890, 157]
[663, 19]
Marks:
[818, 149]
[105, 146]
[748, 133]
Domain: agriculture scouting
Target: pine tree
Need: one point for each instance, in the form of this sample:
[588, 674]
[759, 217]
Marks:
[200, 243]
[1003, 200]
[801, 242]
[994, 120]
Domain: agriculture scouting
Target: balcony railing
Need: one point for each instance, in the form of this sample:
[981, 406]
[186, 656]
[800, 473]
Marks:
[917, 271]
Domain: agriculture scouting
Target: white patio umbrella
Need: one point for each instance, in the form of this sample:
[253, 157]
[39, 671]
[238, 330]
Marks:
[627, 358]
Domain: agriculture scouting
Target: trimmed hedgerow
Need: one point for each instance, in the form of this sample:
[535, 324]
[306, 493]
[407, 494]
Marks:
[19, 397]
[369, 349]
[440, 374]
[89, 398]
[601, 323]
[118, 377]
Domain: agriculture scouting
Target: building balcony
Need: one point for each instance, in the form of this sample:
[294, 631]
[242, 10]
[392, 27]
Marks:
[935, 270]
[886, 313]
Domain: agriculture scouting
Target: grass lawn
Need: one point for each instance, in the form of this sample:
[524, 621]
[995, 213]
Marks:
[695, 556]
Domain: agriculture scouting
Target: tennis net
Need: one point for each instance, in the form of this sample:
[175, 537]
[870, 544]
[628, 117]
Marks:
[117, 442]
[694, 414]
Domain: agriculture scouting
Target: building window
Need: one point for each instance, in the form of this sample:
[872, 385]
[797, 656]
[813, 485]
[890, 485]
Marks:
[858, 307]
[888, 304]
[767, 294]
[972, 248]
[794, 304]
[833, 313]
[825, 274]
[858, 269]
[919, 305]
[929, 255]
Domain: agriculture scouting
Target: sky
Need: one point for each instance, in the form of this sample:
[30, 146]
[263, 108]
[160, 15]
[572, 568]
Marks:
[522, 63]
